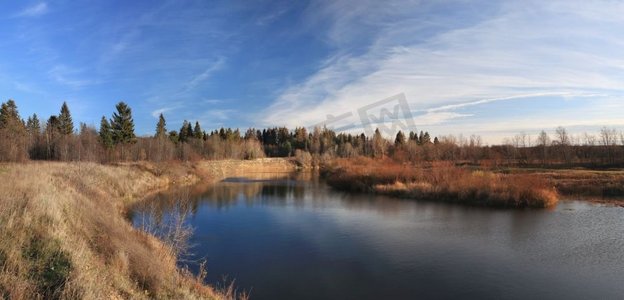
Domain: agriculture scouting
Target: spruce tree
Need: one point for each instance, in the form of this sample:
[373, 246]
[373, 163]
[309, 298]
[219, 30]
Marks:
[189, 130]
[106, 134]
[183, 136]
[36, 124]
[122, 125]
[229, 135]
[33, 125]
[173, 136]
[9, 116]
[197, 132]
[52, 125]
[65, 124]
[13, 132]
[400, 139]
[161, 127]
[426, 139]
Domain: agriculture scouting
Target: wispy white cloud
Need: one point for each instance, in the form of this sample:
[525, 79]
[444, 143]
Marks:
[271, 16]
[535, 95]
[219, 114]
[212, 101]
[128, 33]
[520, 50]
[204, 75]
[122, 43]
[35, 10]
[156, 113]
[69, 76]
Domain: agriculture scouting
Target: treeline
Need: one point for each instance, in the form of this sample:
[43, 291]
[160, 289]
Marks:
[115, 140]
[523, 150]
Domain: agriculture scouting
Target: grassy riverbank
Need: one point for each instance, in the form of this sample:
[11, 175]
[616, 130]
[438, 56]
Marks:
[441, 182]
[64, 234]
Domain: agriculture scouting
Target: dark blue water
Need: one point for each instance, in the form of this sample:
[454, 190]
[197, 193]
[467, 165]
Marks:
[298, 239]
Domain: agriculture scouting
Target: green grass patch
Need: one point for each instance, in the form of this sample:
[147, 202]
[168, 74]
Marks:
[50, 266]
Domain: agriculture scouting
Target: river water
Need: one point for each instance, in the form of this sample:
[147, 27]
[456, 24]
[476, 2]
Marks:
[297, 238]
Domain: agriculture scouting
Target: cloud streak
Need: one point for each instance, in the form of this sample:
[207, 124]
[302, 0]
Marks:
[67, 76]
[205, 75]
[36, 10]
[518, 51]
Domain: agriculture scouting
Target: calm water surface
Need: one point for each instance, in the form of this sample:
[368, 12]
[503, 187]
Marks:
[298, 239]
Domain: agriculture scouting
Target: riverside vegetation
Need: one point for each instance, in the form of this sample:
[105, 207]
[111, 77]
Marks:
[441, 181]
[65, 235]
[64, 191]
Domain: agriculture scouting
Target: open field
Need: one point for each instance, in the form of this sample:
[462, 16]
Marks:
[64, 235]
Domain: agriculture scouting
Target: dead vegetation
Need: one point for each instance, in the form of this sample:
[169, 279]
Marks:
[441, 181]
[64, 235]
[599, 185]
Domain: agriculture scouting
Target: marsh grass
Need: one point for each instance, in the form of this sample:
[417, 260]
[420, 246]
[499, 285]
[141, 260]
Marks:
[441, 181]
[586, 183]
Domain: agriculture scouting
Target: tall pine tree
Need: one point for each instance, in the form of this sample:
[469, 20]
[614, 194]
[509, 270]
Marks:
[400, 139]
[161, 127]
[122, 125]
[106, 134]
[197, 132]
[426, 139]
[9, 116]
[33, 125]
[52, 126]
[186, 132]
[65, 123]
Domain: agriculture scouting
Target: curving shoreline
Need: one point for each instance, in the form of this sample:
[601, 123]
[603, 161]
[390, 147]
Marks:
[65, 234]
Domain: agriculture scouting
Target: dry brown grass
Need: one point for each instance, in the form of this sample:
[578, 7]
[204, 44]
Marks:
[63, 235]
[605, 184]
[441, 182]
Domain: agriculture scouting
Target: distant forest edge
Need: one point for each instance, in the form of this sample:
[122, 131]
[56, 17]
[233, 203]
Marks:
[115, 140]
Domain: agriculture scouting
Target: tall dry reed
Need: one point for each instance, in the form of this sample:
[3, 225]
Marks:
[441, 181]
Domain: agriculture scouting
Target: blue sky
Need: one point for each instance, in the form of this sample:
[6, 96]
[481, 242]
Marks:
[493, 68]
